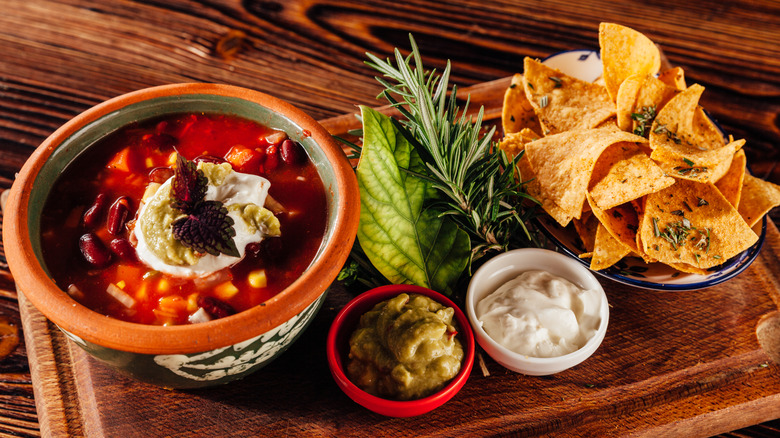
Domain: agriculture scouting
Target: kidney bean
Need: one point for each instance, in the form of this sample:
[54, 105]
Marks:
[160, 174]
[291, 152]
[123, 248]
[94, 251]
[94, 212]
[209, 159]
[267, 249]
[117, 215]
[215, 307]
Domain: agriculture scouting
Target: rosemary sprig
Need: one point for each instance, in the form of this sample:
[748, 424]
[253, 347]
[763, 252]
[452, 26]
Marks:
[662, 129]
[481, 188]
[690, 170]
[644, 119]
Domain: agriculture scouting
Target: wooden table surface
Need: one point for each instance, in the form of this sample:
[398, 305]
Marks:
[58, 58]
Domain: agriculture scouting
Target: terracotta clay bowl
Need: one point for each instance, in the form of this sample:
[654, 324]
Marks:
[194, 355]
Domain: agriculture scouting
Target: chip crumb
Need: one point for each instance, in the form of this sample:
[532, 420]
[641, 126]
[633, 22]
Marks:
[482, 366]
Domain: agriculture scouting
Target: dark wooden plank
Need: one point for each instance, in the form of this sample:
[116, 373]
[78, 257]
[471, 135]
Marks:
[678, 364]
[59, 407]
[646, 378]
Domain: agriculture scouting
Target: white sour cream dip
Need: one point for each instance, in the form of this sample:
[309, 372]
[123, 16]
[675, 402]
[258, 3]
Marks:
[237, 188]
[538, 314]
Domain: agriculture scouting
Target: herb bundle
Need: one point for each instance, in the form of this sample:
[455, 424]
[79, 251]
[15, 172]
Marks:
[469, 181]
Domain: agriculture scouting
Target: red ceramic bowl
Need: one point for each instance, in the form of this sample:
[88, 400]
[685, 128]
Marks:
[338, 350]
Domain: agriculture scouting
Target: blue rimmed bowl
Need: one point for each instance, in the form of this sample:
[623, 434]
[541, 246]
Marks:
[586, 65]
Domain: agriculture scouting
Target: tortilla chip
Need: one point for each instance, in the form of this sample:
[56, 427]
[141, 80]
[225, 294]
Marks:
[610, 123]
[623, 173]
[683, 125]
[563, 163]
[651, 98]
[705, 132]
[758, 197]
[673, 77]
[675, 119]
[730, 185]
[722, 167]
[686, 143]
[607, 250]
[626, 101]
[686, 162]
[639, 208]
[513, 144]
[625, 52]
[692, 223]
[517, 113]
[562, 102]
[586, 229]
[621, 222]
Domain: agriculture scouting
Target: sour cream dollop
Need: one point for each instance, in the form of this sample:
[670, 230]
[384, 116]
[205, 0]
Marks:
[538, 314]
[232, 188]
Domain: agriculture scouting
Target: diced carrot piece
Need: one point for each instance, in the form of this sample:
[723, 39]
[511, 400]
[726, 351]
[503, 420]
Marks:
[243, 159]
[172, 303]
[127, 160]
[128, 272]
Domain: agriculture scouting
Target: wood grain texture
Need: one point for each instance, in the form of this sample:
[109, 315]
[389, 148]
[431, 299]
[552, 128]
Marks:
[61, 57]
[672, 364]
[58, 58]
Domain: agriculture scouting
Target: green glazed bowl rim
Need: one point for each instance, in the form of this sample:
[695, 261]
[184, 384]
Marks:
[21, 244]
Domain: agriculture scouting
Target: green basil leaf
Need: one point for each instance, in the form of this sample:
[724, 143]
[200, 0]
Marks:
[406, 242]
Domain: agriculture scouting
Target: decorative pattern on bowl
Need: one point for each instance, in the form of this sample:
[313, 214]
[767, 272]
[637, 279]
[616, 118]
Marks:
[208, 368]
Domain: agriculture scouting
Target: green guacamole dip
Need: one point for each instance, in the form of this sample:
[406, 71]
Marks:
[405, 348]
[159, 215]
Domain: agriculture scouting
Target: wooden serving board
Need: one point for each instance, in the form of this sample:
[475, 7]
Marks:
[672, 364]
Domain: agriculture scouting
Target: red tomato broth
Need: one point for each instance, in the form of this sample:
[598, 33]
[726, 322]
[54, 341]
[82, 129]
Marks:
[121, 165]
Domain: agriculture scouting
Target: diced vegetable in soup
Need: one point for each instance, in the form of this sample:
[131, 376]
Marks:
[184, 219]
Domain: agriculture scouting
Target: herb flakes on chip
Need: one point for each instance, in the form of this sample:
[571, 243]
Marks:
[517, 113]
[624, 172]
[633, 161]
[693, 223]
[563, 163]
[563, 102]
